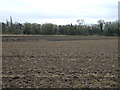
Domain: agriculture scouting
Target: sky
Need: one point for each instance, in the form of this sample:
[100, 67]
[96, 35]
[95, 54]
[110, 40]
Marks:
[59, 12]
[119, 11]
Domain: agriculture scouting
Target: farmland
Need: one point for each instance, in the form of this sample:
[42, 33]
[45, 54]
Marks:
[60, 61]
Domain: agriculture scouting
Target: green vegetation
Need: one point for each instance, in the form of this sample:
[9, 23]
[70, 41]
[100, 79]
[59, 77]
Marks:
[102, 28]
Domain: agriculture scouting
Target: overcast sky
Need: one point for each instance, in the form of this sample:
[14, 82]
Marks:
[58, 11]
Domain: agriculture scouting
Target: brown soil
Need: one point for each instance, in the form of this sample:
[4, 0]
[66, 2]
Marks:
[60, 62]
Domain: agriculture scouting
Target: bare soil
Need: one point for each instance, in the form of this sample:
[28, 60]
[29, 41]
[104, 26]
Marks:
[59, 62]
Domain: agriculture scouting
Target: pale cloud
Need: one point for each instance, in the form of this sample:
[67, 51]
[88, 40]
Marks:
[59, 11]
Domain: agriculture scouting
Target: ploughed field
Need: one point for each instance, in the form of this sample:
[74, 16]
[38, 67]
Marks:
[59, 62]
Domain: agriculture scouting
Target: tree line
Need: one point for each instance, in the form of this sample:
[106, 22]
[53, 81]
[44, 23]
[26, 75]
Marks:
[102, 28]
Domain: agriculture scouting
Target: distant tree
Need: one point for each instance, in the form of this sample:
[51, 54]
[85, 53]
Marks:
[11, 23]
[95, 29]
[72, 29]
[7, 23]
[60, 28]
[80, 22]
[27, 28]
[18, 28]
[47, 29]
[56, 30]
[37, 28]
[3, 28]
[102, 28]
[101, 23]
[111, 28]
[65, 29]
